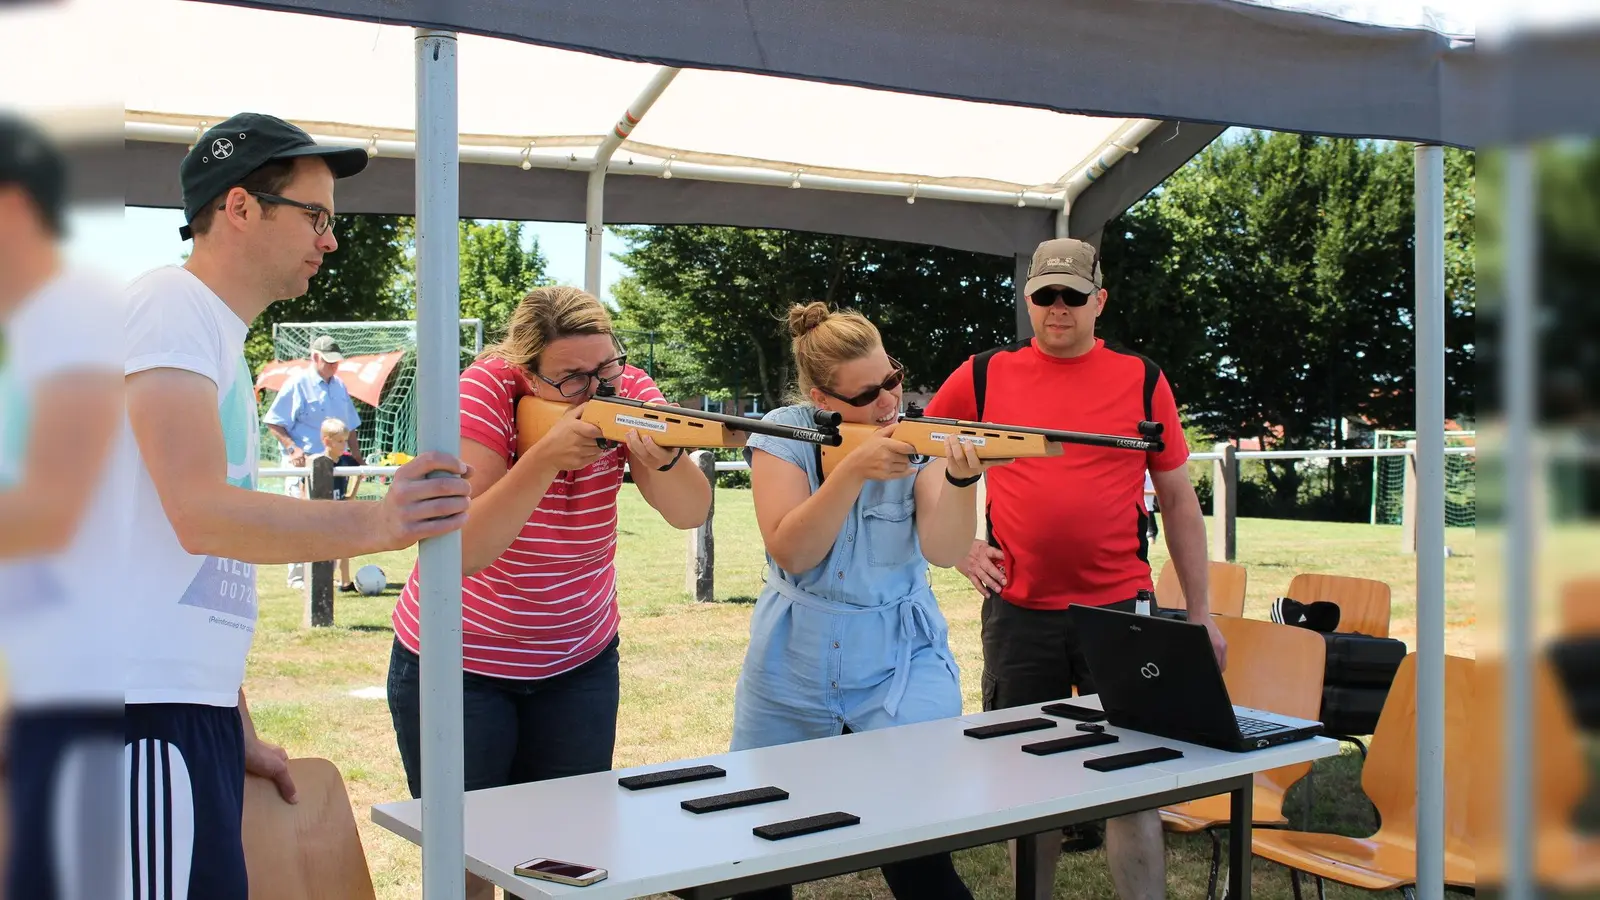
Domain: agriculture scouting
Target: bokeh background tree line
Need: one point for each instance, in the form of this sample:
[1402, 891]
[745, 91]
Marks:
[1271, 277]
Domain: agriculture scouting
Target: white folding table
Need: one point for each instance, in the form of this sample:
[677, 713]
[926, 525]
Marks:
[919, 789]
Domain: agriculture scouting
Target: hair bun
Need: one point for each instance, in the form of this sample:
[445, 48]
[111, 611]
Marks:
[805, 316]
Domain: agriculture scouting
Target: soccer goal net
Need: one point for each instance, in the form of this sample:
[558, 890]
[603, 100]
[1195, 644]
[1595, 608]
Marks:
[1460, 479]
[390, 427]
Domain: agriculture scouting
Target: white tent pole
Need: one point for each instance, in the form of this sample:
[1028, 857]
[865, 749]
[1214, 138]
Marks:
[1107, 155]
[1429, 176]
[1522, 468]
[594, 207]
[439, 428]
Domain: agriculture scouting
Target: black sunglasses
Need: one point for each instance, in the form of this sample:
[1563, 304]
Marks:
[1047, 297]
[321, 218]
[895, 379]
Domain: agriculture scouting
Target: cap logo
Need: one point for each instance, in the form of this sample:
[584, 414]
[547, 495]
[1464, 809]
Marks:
[222, 148]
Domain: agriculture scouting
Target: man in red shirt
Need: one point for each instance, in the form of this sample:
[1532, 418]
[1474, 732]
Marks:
[1074, 528]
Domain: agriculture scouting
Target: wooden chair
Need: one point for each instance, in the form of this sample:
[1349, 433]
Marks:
[1363, 603]
[309, 850]
[1580, 608]
[1226, 581]
[1273, 667]
[1388, 859]
[1564, 859]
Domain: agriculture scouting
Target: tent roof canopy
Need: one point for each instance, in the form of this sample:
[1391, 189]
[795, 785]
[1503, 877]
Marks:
[357, 82]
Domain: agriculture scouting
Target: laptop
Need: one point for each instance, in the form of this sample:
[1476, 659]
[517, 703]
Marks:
[1160, 676]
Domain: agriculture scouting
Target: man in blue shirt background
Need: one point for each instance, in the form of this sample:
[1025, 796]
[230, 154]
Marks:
[309, 397]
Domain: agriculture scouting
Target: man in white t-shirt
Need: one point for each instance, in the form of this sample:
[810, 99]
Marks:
[63, 505]
[258, 200]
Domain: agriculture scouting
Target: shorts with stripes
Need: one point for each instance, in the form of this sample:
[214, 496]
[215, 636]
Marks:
[185, 777]
[64, 808]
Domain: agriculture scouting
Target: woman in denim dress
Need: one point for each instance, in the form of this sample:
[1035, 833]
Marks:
[846, 635]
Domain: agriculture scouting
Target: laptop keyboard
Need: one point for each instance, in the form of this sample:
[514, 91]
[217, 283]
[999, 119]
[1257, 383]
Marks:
[1249, 726]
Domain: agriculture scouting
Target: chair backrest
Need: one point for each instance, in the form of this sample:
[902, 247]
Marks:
[1559, 766]
[1226, 588]
[1277, 668]
[1389, 776]
[1580, 607]
[308, 850]
[1363, 603]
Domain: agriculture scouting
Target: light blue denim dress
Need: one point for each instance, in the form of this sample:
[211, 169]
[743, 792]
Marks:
[858, 640]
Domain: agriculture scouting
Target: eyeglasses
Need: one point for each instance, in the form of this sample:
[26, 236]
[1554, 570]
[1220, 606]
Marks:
[895, 379]
[321, 217]
[1047, 297]
[576, 384]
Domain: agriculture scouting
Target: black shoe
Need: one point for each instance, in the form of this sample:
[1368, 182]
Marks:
[1082, 837]
[349, 588]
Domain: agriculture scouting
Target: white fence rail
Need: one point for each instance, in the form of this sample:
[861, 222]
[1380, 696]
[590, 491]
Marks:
[741, 466]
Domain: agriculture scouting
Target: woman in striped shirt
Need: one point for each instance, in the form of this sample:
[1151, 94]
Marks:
[539, 598]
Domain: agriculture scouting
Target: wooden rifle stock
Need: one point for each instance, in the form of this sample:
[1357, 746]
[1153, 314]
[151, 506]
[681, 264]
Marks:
[992, 441]
[668, 426]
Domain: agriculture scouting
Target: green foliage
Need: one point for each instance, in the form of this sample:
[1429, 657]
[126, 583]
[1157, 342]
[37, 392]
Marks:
[1273, 279]
[496, 273]
[719, 297]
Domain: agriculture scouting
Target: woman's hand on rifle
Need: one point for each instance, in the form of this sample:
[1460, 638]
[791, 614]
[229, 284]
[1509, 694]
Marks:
[880, 457]
[571, 443]
[961, 459]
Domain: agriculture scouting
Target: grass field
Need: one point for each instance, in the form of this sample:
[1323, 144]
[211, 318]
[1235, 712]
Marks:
[680, 660]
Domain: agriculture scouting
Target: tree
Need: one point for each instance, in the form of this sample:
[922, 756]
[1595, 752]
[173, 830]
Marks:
[720, 296]
[364, 280]
[1273, 276]
[496, 272]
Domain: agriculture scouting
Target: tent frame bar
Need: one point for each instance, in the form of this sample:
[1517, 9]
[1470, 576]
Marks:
[439, 430]
[567, 159]
[595, 198]
[1429, 461]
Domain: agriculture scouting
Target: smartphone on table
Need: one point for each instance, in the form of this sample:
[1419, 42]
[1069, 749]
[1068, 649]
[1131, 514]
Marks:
[560, 872]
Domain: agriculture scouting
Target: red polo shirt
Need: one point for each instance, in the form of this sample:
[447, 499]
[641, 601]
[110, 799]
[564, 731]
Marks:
[1072, 527]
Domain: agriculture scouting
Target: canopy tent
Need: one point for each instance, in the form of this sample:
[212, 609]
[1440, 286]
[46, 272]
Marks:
[1389, 70]
[716, 148]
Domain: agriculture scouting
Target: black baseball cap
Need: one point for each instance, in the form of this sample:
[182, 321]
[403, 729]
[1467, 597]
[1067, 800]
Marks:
[31, 161]
[227, 153]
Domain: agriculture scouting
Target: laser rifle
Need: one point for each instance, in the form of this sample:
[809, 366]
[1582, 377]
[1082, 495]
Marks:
[927, 435]
[668, 426]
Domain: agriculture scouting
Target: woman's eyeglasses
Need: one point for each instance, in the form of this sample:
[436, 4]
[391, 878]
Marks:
[1047, 297]
[577, 384]
[866, 397]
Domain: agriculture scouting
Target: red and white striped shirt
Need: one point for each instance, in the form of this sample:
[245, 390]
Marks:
[549, 603]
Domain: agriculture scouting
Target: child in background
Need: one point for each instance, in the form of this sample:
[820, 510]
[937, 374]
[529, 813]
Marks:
[336, 446]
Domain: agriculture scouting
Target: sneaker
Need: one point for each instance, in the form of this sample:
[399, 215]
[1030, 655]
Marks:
[349, 588]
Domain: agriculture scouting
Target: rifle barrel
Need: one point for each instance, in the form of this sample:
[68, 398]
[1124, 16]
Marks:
[1091, 439]
[829, 438]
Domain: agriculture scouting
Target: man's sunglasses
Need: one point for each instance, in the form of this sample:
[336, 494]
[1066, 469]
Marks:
[1047, 297]
[866, 397]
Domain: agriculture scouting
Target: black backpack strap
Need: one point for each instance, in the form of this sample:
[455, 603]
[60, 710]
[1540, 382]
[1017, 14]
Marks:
[980, 374]
[1152, 373]
[980, 379]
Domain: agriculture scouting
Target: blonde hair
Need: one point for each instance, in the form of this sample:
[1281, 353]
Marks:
[824, 340]
[545, 316]
[334, 428]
